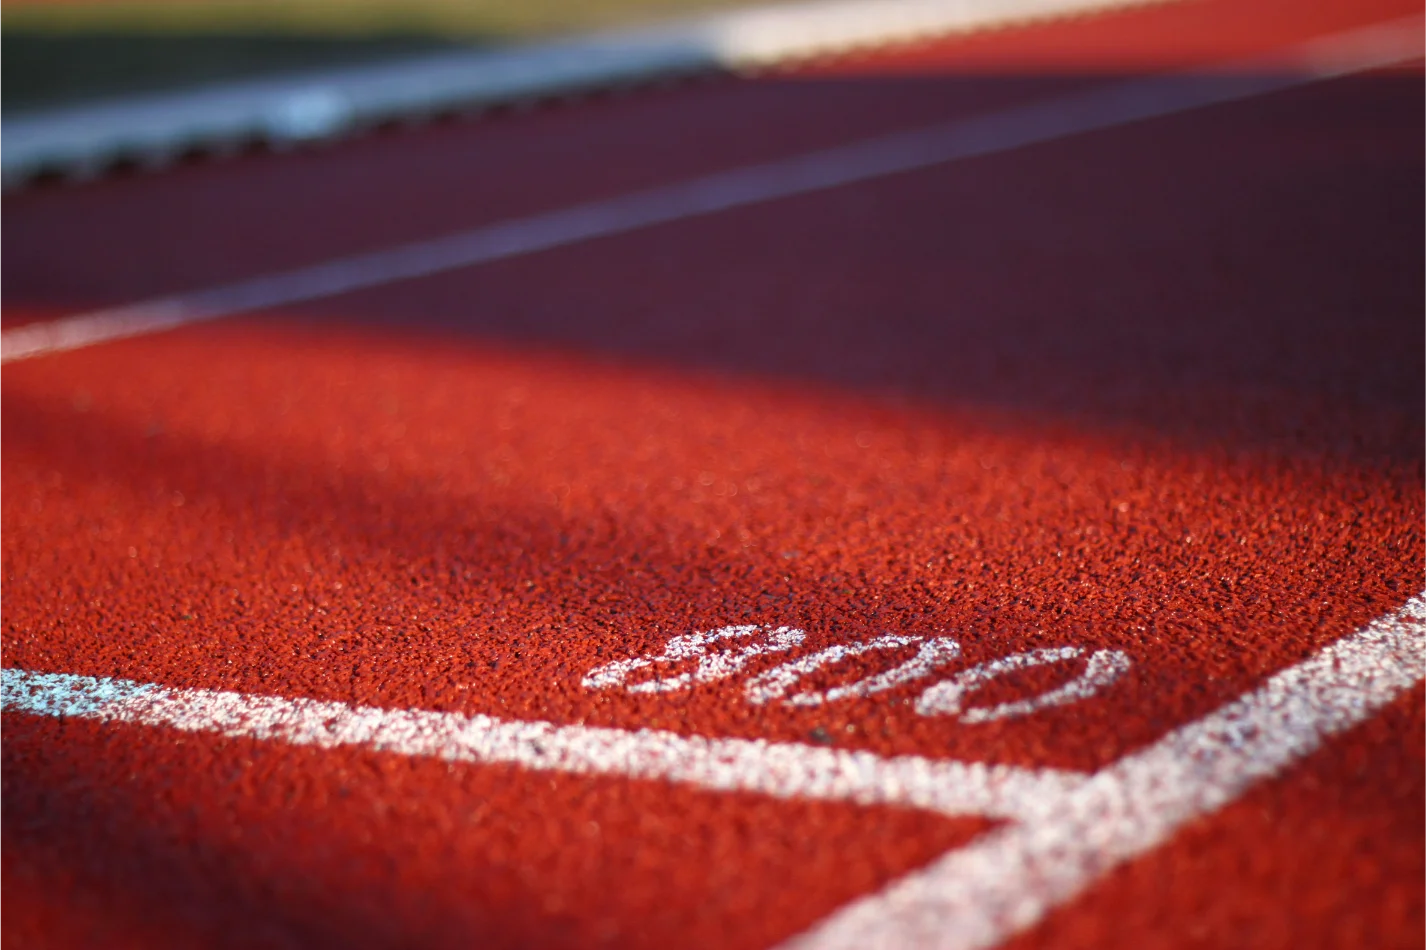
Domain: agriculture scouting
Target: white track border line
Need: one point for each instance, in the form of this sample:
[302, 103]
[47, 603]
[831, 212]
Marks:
[1100, 108]
[153, 129]
[1008, 880]
[1065, 830]
[782, 770]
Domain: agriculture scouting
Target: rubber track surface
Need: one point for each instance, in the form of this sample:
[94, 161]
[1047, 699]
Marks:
[1154, 390]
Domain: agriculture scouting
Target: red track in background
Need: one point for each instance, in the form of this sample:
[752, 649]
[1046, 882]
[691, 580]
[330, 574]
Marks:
[1153, 390]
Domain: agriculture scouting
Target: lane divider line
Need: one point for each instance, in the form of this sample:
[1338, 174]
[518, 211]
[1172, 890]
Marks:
[1065, 829]
[1101, 108]
[781, 770]
[153, 129]
[1009, 879]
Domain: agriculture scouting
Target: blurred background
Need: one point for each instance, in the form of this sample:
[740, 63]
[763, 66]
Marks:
[59, 52]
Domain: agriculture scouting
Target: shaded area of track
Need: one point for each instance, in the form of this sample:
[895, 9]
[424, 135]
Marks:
[1246, 277]
[124, 239]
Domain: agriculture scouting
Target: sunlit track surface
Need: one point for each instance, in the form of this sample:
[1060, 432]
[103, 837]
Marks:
[1021, 549]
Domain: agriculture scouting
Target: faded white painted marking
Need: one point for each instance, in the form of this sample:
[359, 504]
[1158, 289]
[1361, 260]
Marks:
[948, 698]
[775, 683]
[1011, 878]
[1066, 829]
[711, 666]
[782, 770]
[1101, 108]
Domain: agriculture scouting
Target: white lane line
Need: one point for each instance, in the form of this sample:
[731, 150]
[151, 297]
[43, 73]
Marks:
[1066, 830]
[1100, 108]
[1008, 880]
[781, 770]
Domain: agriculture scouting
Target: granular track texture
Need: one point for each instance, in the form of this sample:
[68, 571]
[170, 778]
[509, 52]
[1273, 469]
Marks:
[1154, 390]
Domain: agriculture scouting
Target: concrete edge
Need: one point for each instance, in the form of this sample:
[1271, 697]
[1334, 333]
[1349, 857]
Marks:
[152, 130]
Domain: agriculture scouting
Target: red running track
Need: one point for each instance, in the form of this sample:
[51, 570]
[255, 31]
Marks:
[1153, 390]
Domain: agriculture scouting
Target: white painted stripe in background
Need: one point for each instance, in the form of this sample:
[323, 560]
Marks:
[1009, 879]
[155, 127]
[1100, 108]
[782, 770]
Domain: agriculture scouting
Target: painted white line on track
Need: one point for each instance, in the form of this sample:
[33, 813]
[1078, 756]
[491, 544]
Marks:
[1005, 882]
[782, 770]
[1100, 108]
[1065, 829]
